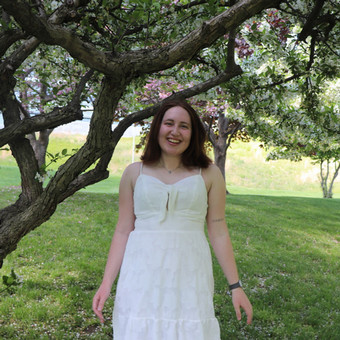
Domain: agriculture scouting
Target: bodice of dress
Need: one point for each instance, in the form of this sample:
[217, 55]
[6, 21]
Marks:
[178, 206]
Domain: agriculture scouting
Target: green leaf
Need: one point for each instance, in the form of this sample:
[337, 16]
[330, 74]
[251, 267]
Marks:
[10, 281]
[13, 275]
[5, 279]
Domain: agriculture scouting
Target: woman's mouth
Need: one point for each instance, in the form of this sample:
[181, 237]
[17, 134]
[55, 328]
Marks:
[173, 141]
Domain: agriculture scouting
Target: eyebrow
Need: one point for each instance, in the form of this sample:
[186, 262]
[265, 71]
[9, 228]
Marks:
[172, 120]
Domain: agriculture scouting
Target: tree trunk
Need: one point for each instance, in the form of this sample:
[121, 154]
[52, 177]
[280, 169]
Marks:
[41, 204]
[221, 140]
[40, 145]
[327, 179]
[335, 175]
[220, 156]
[220, 159]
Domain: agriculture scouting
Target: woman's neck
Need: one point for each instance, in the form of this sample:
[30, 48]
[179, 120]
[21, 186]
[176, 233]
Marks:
[170, 164]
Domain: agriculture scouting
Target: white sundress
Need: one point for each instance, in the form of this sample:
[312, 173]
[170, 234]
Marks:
[165, 287]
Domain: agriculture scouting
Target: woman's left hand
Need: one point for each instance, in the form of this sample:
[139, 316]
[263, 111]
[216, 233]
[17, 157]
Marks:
[240, 300]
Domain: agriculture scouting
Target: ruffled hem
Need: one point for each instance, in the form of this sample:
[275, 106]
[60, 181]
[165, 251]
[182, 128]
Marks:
[131, 328]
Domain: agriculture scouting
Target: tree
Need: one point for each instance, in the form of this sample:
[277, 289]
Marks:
[114, 40]
[280, 103]
[124, 44]
[314, 131]
[222, 126]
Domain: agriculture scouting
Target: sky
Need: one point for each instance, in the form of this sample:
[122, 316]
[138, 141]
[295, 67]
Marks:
[81, 127]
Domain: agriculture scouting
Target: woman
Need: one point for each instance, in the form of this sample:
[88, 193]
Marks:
[165, 286]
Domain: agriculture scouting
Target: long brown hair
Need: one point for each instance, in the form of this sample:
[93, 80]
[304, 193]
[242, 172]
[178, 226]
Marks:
[195, 155]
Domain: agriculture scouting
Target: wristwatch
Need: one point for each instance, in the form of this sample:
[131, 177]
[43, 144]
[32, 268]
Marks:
[235, 285]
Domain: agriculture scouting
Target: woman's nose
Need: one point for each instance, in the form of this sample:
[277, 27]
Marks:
[175, 130]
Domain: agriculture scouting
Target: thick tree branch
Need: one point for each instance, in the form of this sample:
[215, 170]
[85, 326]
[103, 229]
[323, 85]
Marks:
[57, 117]
[184, 94]
[8, 38]
[280, 82]
[10, 64]
[231, 49]
[310, 23]
[139, 62]
[21, 149]
[96, 175]
[96, 146]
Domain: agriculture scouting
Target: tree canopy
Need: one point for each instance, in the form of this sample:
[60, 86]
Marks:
[104, 51]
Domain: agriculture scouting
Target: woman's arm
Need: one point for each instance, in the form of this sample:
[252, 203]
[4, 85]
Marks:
[220, 240]
[124, 226]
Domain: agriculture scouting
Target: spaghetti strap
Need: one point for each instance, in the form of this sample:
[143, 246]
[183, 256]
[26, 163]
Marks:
[200, 171]
[141, 168]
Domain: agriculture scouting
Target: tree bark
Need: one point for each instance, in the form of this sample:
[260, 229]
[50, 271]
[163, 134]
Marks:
[40, 145]
[220, 157]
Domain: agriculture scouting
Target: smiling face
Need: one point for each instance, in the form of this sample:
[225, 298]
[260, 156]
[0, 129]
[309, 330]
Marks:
[175, 131]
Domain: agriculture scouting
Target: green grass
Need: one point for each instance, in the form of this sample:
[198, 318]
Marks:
[61, 264]
[10, 176]
[288, 254]
[286, 242]
[287, 249]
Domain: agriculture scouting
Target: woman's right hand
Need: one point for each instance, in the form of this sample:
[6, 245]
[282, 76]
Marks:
[99, 300]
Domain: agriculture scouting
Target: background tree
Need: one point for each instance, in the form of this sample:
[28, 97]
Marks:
[124, 44]
[281, 102]
[314, 130]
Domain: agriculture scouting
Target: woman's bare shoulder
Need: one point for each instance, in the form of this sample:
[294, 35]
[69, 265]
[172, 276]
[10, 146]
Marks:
[131, 173]
[212, 171]
[133, 168]
[211, 174]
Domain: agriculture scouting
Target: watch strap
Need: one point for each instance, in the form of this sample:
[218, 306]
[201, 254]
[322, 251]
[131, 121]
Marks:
[235, 285]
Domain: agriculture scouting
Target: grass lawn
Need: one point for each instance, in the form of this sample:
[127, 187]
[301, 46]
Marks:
[286, 241]
[287, 249]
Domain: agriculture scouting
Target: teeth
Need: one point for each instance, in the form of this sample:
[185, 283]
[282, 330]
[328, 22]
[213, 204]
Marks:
[173, 140]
